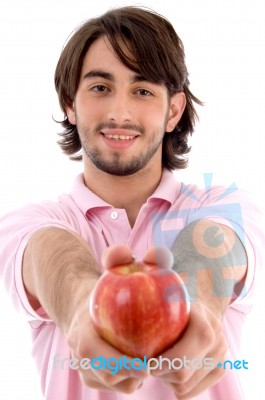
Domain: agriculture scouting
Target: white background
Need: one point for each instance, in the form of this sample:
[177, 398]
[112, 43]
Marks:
[224, 42]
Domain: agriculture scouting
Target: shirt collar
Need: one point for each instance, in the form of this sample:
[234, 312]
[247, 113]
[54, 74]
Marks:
[167, 190]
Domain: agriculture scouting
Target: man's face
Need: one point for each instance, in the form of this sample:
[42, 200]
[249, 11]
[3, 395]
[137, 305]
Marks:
[121, 118]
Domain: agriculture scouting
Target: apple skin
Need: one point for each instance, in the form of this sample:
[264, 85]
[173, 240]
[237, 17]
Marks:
[140, 309]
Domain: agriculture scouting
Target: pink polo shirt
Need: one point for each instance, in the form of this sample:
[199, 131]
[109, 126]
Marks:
[171, 207]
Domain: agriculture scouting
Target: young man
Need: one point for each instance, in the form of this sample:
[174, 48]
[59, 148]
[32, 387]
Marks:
[123, 86]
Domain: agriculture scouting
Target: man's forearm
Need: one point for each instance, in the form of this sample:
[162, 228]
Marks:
[59, 271]
[213, 262]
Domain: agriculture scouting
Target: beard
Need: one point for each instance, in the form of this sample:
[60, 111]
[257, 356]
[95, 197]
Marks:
[117, 165]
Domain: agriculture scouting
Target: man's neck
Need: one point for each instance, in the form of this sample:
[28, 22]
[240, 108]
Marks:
[127, 192]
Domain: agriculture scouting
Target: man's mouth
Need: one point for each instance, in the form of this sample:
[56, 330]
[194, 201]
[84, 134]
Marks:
[119, 137]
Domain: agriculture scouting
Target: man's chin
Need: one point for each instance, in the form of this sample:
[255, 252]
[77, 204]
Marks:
[117, 168]
[120, 171]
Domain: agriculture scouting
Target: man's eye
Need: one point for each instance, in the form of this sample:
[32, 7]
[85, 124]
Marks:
[144, 92]
[99, 88]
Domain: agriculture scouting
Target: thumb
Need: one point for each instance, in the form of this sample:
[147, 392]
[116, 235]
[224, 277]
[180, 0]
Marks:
[160, 256]
[116, 255]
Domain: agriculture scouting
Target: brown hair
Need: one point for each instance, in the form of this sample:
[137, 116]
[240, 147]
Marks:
[157, 54]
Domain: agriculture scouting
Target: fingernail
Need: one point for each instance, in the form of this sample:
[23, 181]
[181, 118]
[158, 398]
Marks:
[140, 385]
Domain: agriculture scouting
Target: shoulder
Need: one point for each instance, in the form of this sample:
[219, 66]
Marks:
[63, 213]
[226, 199]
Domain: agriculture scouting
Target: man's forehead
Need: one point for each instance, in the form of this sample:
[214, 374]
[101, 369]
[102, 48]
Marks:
[103, 45]
[101, 56]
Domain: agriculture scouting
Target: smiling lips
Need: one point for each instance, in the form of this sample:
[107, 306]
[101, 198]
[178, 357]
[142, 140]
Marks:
[119, 138]
[119, 134]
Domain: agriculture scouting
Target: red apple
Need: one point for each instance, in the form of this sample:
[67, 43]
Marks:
[140, 309]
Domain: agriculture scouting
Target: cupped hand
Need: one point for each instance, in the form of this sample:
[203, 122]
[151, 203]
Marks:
[196, 355]
[85, 343]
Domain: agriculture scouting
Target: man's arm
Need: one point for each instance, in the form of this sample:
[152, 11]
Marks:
[212, 260]
[58, 271]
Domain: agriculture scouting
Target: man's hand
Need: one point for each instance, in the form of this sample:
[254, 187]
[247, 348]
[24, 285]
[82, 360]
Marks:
[86, 343]
[213, 273]
[202, 339]
[59, 273]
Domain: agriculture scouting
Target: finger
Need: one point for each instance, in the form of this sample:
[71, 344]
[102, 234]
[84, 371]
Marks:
[113, 362]
[201, 367]
[127, 386]
[94, 382]
[184, 392]
[197, 341]
[161, 256]
[118, 381]
[116, 255]
[109, 379]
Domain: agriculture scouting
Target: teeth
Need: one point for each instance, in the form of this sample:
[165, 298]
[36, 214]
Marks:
[120, 137]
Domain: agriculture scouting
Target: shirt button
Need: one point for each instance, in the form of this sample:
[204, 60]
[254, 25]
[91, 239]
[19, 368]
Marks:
[114, 215]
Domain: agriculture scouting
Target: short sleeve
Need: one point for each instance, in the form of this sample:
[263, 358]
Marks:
[238, 210]
[16, 228]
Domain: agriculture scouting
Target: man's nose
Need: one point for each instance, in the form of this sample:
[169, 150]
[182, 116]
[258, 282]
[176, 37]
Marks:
[120, 108]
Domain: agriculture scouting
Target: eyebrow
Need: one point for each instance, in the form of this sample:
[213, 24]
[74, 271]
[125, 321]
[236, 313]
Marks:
[98, 74]
[109, 77]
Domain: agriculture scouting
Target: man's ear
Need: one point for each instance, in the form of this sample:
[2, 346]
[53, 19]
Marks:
[70, 111]
[176, 109]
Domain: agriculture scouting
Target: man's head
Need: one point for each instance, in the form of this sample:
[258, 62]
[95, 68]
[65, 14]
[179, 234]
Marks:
[147, 44]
